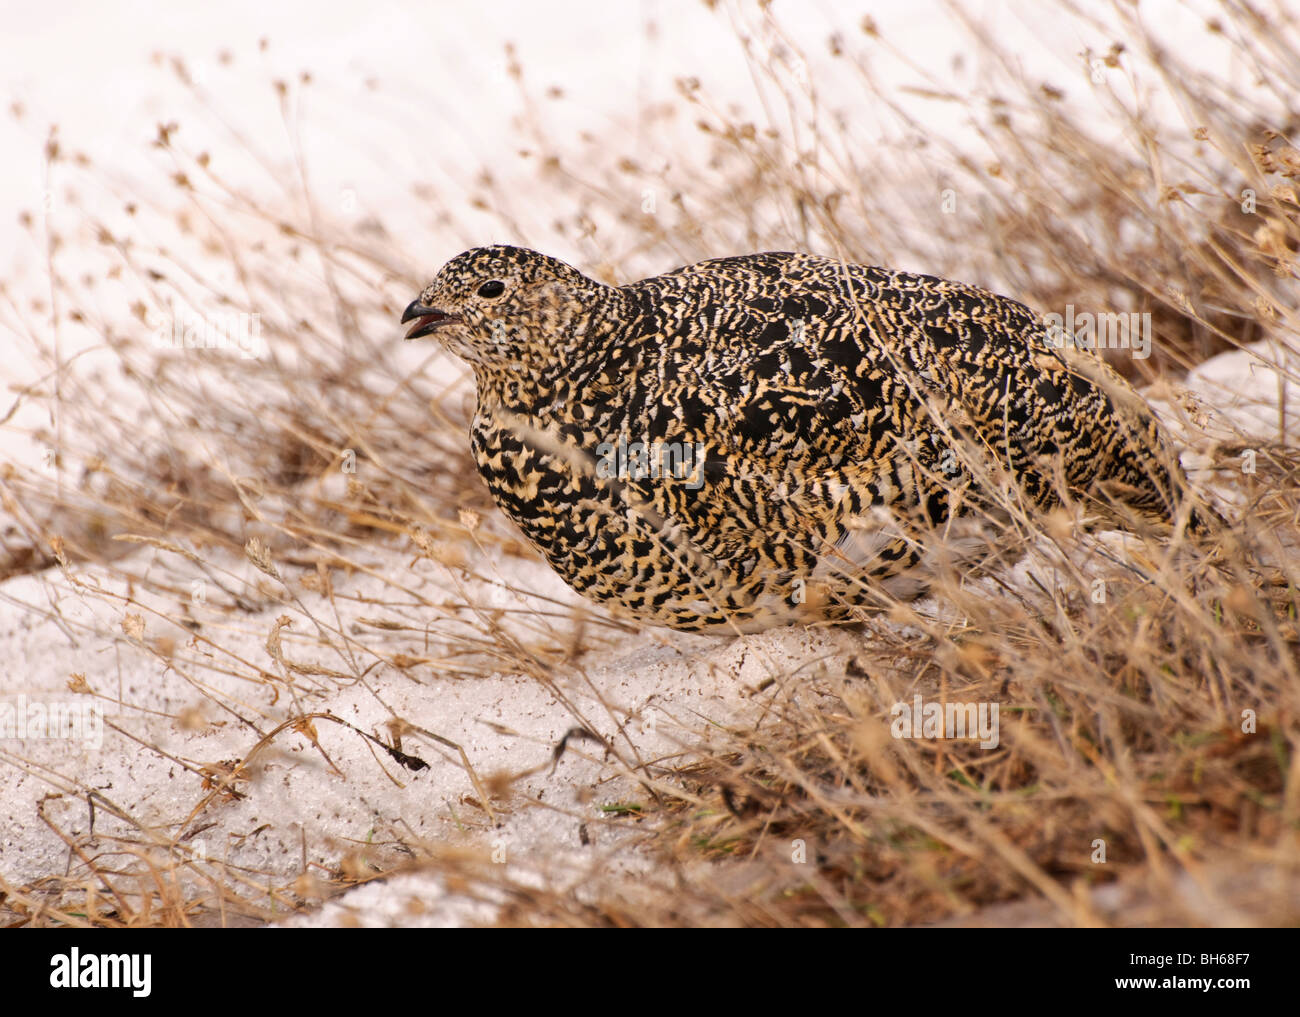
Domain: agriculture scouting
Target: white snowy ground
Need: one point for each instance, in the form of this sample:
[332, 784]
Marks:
[298, 808]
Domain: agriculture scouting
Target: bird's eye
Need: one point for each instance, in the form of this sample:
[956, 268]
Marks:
[492, 288]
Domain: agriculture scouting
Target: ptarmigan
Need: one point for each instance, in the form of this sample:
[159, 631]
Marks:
[777, 437]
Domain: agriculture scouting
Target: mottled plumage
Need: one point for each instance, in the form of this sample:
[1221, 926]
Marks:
[784, 400]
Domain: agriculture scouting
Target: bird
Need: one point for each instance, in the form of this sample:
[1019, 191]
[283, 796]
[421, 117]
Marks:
[780, 437]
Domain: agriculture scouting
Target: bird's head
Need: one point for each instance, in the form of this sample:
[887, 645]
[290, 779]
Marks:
[501, 306]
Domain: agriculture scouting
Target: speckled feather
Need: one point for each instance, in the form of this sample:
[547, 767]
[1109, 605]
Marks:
[820, 394]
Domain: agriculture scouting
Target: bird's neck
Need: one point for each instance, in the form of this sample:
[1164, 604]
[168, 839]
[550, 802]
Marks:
[569, 349]
[513, 391]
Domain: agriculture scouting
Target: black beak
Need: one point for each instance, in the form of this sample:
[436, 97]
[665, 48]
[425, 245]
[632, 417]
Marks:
[427, 319]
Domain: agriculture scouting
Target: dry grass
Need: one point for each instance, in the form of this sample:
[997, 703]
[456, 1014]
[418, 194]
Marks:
[1120, 721]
